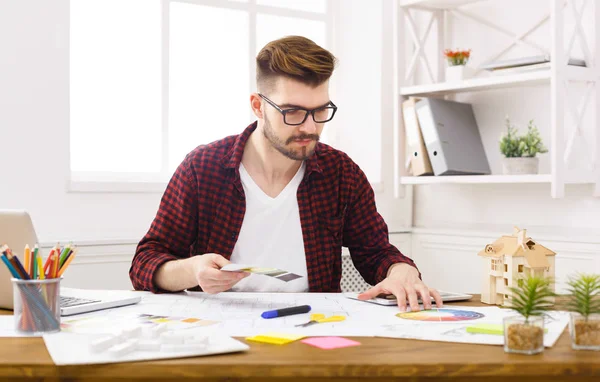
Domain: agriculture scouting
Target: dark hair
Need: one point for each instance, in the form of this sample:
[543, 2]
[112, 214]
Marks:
[294, 57]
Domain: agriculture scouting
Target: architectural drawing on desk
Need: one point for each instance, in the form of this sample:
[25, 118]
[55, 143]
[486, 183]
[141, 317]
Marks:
[508, 260]
[243, 310]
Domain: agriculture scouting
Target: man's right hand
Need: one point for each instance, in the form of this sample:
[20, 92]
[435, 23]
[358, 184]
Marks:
[210, 277]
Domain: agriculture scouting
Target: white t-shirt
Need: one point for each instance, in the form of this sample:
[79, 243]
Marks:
[271, 237]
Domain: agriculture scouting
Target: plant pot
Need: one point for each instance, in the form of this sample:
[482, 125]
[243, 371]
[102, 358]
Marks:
[585, 333]
[458, 73]
[520, 165]
[523, 336]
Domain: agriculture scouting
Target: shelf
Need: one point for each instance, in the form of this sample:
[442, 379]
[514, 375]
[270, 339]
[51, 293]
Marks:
[436, 4]
[478, 84]
[475, 179]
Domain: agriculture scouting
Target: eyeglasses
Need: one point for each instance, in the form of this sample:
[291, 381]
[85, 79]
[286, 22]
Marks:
[296, 116]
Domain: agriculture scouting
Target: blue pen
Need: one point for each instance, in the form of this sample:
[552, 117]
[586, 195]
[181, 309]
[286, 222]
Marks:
[286, 311]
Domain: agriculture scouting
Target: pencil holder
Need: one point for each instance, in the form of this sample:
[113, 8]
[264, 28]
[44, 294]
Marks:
[36, 305]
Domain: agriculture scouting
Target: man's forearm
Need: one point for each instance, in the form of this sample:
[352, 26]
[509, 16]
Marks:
[176, 276]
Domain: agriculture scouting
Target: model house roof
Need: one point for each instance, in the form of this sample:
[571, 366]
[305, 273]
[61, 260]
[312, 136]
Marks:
[519, 245]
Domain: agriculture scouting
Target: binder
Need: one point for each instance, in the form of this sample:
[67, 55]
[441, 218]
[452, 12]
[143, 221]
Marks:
[416, 150]
[452, 137]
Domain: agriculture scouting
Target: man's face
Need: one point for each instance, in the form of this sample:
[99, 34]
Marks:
[294, 142]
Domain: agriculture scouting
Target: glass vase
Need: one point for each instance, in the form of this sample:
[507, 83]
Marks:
[524, 336]
[585, 332]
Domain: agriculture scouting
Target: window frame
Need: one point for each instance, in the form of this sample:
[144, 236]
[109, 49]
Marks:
[156, 182]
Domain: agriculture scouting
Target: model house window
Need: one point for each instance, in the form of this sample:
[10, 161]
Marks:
[495, 265]
[520, 282]
[520, 268]
[505, 267]
[152, 79]
[505, 281]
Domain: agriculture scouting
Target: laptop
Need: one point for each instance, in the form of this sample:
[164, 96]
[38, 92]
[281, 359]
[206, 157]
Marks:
[390, 299]
[16, 231]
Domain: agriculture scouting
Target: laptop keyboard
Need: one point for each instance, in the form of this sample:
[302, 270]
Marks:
[66, 302]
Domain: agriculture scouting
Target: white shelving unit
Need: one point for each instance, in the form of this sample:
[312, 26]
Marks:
[472, 179]
[558, 78]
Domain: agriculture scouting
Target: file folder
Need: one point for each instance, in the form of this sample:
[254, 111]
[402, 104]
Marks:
[452, 137]
[416, 150]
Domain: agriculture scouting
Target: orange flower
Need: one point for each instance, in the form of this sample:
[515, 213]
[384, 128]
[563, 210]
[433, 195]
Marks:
[457, 57]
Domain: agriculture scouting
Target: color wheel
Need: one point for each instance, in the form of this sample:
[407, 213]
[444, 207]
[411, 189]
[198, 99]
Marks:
[446, 315]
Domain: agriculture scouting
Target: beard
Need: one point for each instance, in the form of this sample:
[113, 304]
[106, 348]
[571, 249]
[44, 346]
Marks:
[300, 154]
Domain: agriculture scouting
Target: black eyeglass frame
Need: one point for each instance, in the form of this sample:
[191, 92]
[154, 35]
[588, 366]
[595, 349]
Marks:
[330, 105]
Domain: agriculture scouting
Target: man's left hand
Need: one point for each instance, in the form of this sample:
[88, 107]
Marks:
[403, 282]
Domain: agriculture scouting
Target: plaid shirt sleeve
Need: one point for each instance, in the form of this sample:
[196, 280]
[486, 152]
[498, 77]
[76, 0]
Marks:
[366, 234]
[172, 232]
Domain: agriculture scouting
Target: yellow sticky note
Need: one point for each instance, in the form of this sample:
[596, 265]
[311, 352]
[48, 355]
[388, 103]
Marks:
[275, 338]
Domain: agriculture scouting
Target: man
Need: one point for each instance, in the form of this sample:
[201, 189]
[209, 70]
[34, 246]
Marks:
[275, 197]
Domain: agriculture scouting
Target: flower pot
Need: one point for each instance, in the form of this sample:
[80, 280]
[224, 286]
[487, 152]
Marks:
[585, 333]
[523, 336]
[458, 73]
[520, 165]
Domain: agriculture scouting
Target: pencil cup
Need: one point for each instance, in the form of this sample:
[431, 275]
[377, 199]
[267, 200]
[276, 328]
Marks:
[36, 305]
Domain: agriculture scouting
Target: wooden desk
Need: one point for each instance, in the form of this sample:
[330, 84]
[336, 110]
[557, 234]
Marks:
[379, 359]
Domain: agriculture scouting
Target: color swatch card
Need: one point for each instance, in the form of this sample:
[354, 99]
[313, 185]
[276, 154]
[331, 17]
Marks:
[271, 272]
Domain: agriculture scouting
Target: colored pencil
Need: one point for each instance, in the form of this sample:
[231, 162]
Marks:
[10, 267]
[27, 255]
[48, 262]
[63, 256]
[67, 262]
[41, 268]
[34, 267]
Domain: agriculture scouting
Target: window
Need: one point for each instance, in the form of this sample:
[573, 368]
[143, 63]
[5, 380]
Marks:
[495, 265]
[167, 76]
[506, 281]
[520, 283]
[520, 268]
[505, 267]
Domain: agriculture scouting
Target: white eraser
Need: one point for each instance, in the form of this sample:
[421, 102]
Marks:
[169, 338]
[148, 345]
[123, 348]
[183, 348]
[199, 340]
[104, 343]
[158, 329]
[133, 332]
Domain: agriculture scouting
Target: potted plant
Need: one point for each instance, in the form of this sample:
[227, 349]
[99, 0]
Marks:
[520, 150]
[584, 304]
[524, 333]
[457, 69]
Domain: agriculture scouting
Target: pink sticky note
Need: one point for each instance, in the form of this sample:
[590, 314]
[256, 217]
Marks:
[330, 342]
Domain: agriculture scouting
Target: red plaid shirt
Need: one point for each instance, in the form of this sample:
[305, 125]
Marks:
[203, 207]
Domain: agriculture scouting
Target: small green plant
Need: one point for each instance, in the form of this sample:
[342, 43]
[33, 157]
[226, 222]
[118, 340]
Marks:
[533, 297]
[584, 291]
[528, 145]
